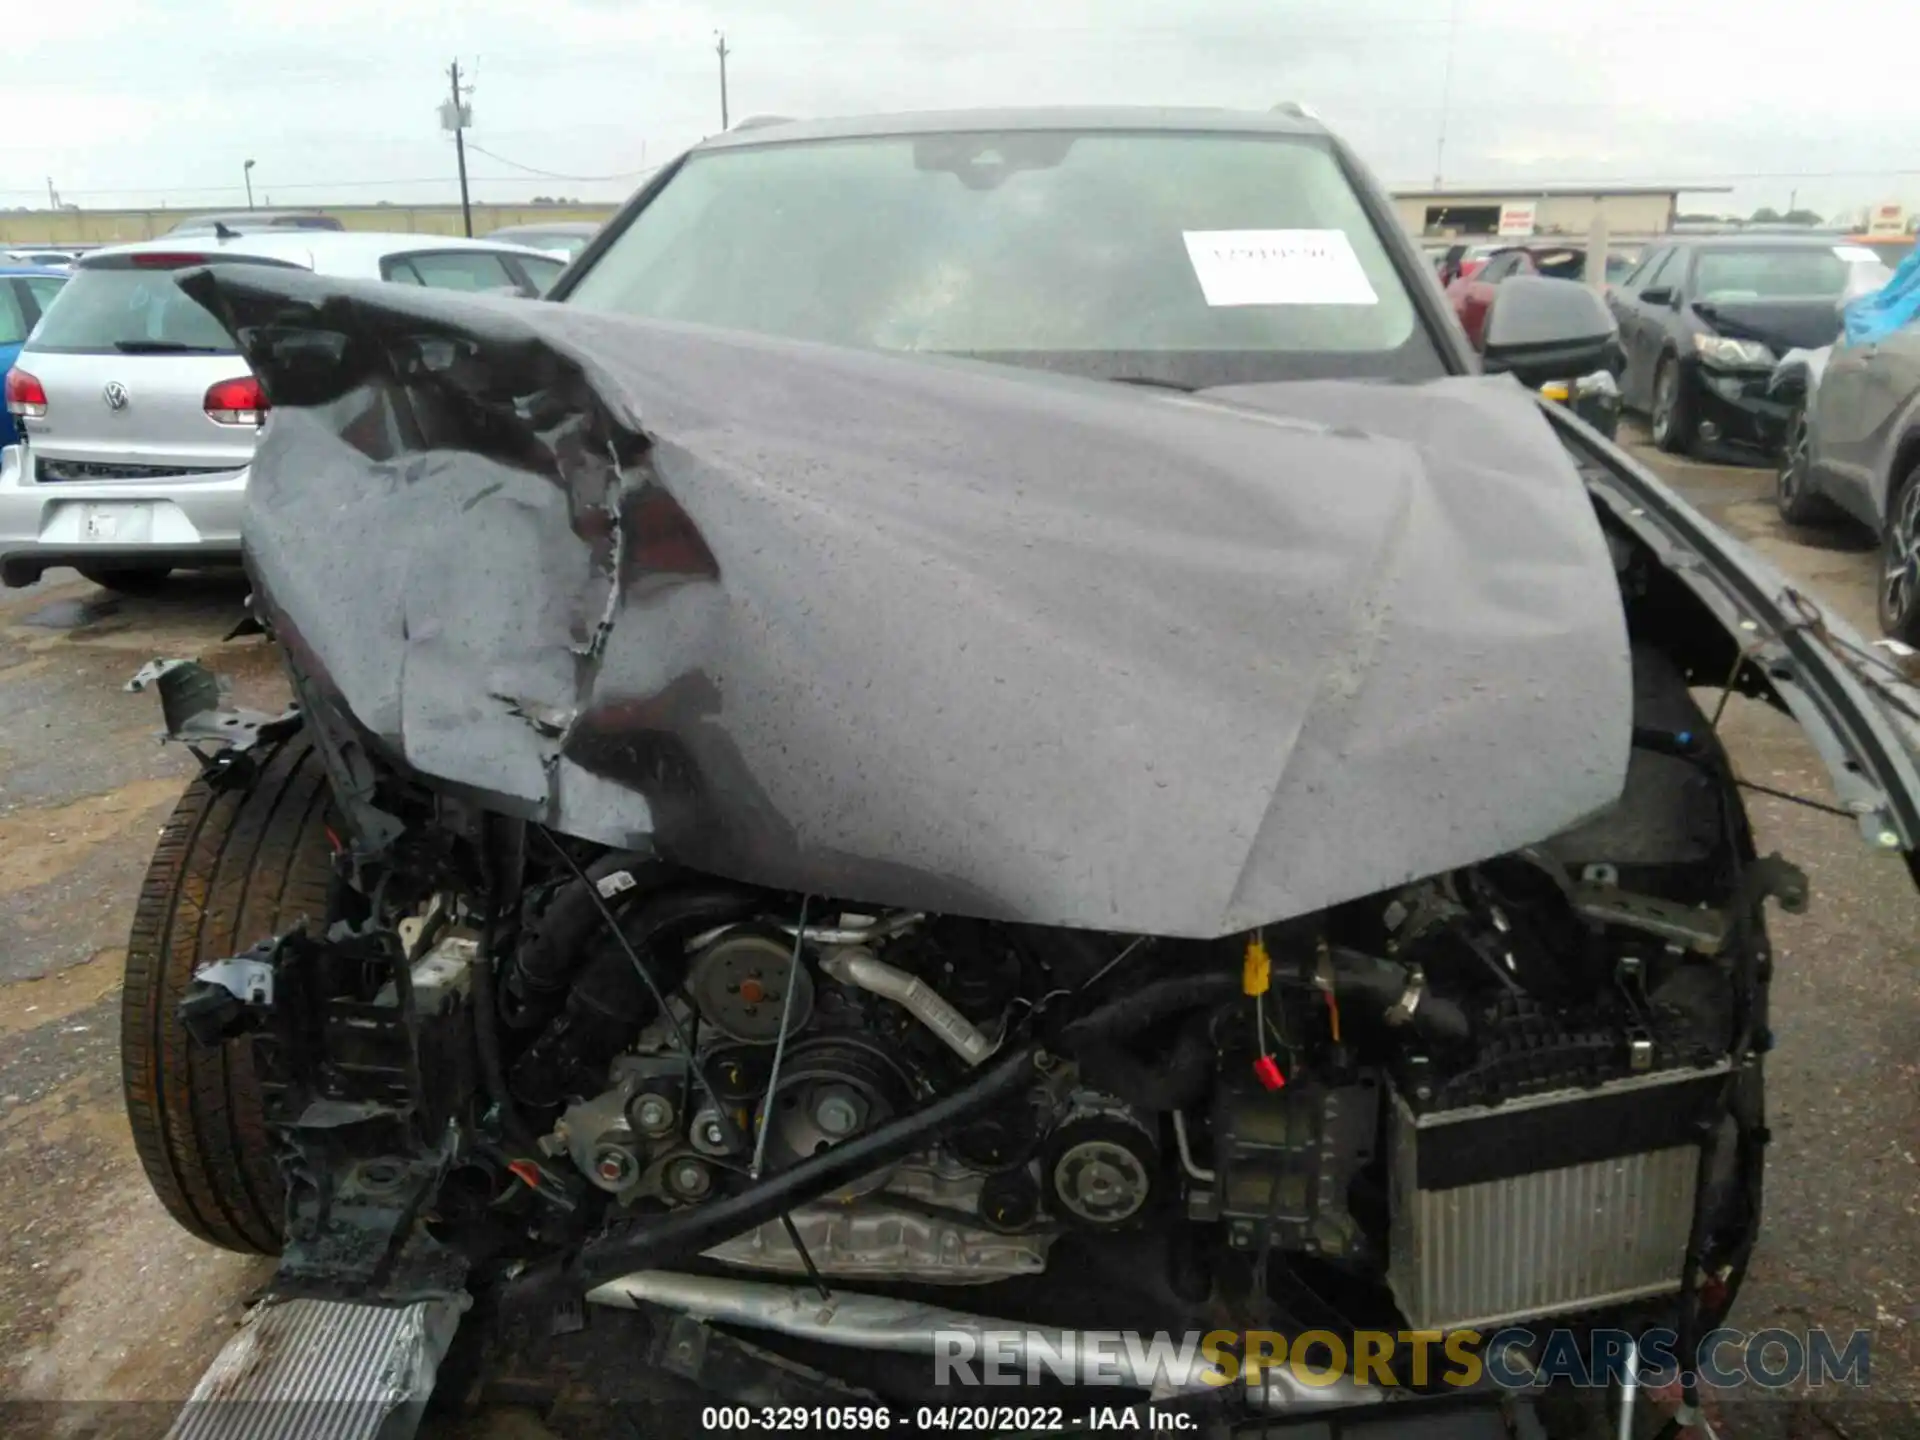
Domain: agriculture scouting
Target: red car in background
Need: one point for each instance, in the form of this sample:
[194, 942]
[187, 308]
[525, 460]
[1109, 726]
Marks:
[1471, 290]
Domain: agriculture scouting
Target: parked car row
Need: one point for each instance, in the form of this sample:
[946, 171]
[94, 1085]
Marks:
[136, 417]
[1705, 319]
[1851, 449]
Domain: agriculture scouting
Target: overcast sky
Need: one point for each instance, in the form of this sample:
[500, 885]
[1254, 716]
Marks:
[148, 102]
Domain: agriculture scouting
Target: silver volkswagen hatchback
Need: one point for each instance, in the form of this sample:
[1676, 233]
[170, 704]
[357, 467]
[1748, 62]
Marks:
[138, 418]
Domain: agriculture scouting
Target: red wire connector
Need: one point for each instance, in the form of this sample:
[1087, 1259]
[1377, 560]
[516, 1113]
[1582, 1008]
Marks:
[1267, 1071]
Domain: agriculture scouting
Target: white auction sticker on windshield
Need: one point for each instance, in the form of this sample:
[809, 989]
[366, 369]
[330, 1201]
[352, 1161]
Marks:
[1278, 267]
[1856, 254]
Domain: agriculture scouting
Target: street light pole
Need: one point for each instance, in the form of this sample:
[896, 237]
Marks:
[721, 50]
[247, 172]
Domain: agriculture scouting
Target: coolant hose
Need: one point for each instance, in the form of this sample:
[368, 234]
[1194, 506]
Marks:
[548, 957]
[611, 998]
[1379, 984]
[486, 1043]
[676, 1237]
[1136, 1010]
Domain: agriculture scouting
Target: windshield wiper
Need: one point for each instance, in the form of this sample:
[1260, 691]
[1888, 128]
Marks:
[164, 347]
[1153, 382]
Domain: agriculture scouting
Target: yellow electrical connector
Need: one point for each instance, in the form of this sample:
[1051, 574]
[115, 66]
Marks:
[1257, 973]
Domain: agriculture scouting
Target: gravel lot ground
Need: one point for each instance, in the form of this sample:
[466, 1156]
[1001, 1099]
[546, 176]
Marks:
[103, 1301]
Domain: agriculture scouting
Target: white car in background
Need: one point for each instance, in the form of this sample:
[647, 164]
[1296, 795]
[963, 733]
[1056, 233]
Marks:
[49, 256]
[139, 418]
[564, 238]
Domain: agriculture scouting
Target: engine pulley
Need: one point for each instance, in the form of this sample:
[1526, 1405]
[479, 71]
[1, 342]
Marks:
[738, 982]
[1101, 1165]
[832, 1088]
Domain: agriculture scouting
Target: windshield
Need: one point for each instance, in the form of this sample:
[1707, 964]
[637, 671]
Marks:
[1781, 272]
[1194, 259]
[125, 311]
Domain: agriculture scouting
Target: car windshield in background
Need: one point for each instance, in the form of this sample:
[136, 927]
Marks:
[564, 244]
[129, 312]
[1781, 272]
[1190, 259]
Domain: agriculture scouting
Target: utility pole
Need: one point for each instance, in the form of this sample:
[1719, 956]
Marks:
[721, 50]
[53, 195]
[1446, 98]
[247, 171]
[456, 120]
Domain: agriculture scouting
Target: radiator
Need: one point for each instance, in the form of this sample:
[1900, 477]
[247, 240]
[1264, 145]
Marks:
[1549, 1205]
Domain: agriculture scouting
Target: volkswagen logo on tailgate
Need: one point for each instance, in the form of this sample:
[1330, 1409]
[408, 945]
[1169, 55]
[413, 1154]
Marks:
[115, 395]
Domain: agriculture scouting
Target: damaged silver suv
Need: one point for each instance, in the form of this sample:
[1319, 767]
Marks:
[989, 719]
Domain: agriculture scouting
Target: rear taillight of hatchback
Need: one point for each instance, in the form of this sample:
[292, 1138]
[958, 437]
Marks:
[26, 396]
[236, 402]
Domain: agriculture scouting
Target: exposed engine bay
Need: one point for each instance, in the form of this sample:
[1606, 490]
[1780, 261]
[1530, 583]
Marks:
[1312, 902]
[598, 1056]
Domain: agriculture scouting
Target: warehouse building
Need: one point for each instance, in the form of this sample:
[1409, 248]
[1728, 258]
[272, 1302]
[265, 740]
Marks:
[1550, 210]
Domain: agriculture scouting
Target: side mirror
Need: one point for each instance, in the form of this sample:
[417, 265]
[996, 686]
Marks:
[1660, 295]
[1540, 330]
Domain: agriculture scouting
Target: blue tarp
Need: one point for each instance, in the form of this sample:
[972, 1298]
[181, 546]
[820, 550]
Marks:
[1893, 306]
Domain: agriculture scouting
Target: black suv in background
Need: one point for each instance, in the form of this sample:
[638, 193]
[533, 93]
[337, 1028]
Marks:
[1704, 319]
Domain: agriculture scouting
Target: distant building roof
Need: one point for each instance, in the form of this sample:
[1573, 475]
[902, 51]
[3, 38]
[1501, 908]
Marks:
[1525, 191]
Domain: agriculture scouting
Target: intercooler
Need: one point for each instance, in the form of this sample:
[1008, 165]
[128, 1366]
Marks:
[1548, 1205]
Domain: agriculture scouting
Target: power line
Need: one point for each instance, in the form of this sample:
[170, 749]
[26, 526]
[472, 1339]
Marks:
[479, 149]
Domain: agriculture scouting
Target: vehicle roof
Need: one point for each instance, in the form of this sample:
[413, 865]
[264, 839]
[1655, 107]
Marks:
[1775, 241]
[1169, 120]
[251, 217]
[551, 227]
[325, 247]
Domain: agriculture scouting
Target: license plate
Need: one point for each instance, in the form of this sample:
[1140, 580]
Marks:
[117, 523]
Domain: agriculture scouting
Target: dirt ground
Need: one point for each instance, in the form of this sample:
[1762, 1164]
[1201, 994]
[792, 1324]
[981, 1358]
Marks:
[104, 1301]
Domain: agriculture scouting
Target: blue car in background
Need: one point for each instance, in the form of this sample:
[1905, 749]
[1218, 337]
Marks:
[25, 292]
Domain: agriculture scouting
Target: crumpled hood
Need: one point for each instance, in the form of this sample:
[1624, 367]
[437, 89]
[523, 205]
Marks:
[1780, 324]
[931, 634]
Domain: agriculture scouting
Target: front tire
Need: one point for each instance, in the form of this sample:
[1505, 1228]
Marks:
[1793, 492]
[1899, 592]
[1671, 419]
[231, 869]
[138, 582]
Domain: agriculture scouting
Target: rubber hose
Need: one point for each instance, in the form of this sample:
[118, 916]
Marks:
[1378, 984]
[1134, 1012]
[486, 1041]
[548, 958]
[685, 1233]
[611, 1001]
